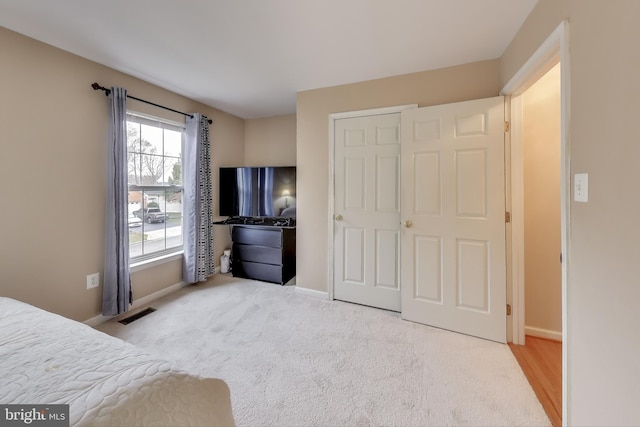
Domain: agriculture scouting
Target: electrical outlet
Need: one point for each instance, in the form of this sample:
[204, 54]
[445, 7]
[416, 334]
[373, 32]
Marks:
[93, 280]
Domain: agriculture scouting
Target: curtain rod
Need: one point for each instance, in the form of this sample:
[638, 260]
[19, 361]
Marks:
[96, 86]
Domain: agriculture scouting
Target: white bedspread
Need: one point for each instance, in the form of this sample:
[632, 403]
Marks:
[48, 359]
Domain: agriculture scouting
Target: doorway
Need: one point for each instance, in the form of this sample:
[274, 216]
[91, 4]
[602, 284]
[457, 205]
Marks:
[555, 50]
[542, 233]
[540, 355]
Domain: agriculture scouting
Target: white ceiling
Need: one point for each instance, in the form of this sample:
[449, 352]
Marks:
[250, 57]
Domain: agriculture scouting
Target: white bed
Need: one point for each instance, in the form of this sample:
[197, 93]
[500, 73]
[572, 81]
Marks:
[48, 359]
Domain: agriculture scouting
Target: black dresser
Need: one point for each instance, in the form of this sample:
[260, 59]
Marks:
[264, 253]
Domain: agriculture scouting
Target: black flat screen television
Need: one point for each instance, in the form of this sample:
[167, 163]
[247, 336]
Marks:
[258, 191]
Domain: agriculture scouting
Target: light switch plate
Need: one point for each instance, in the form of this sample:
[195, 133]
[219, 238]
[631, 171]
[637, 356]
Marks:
[581, 187]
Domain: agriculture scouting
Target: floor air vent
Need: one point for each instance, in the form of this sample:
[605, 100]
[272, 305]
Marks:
[137, 316]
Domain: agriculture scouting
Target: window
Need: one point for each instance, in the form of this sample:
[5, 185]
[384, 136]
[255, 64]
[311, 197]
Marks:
[154, 152]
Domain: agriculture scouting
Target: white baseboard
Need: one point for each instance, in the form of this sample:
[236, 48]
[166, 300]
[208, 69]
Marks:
[543, 333]
[95, 321]
[312, 293]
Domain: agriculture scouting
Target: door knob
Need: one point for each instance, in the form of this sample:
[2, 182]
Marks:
[339, 217]
[408, 224]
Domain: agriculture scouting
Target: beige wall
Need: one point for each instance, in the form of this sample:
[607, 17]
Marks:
[270, 141]
[603, 288]
[460, 83]
[52, 172]
[541, 152]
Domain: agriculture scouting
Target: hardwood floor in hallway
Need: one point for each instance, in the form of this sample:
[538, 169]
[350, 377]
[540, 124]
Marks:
[541, 362]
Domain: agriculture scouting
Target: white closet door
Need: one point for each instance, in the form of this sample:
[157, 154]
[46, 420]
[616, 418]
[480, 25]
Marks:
[453, 209]
[367, 210]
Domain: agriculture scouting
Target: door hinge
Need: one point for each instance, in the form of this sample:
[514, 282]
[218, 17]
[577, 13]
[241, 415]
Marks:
[507, 217]
[508, 309]
[507, 126]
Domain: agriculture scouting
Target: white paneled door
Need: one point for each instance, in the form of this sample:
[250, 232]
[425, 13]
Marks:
[453, 264]
[367, 210]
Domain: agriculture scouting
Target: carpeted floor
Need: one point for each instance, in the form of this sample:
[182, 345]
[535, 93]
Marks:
[292, 360]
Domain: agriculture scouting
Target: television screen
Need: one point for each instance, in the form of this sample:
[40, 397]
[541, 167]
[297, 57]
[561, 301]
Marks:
[258, 191]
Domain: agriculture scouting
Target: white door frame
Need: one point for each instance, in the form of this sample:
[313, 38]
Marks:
[331, 211]
[554, 49]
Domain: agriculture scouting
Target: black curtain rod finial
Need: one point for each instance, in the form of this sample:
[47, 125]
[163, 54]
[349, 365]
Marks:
[96, 86]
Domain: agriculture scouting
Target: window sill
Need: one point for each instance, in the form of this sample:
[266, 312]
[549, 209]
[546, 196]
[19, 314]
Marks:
[150, 263]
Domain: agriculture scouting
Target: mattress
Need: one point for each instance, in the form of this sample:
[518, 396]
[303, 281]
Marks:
[48, 359]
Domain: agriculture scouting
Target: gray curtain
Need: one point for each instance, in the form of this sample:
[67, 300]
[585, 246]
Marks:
[116, 291]
[198, 264]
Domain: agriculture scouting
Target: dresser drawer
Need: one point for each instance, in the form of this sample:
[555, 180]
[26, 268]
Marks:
[257, 236]
[263, 254]
[258, 271]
